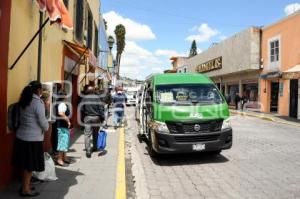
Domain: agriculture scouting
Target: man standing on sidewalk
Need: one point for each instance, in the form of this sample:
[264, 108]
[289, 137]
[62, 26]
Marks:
[93, 109]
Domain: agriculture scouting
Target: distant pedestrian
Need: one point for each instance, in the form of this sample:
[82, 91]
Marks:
[106, 97]
[244, 100]
[28, 154]
[63, 124]
[119, 100]
[93, 110]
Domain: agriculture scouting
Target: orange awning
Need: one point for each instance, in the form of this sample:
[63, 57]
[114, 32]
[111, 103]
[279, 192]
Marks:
[93, 61]
[57, 12]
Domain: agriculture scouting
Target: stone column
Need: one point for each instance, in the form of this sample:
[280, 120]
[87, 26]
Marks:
[226, 89]
[240, 88]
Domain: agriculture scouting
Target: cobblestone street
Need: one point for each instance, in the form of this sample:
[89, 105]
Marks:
[264, 162]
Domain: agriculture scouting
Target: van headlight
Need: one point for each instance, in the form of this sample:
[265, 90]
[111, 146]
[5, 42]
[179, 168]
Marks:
[226, 124]
[160, 127]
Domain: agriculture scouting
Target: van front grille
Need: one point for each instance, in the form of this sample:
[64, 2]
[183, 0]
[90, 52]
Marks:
[197, 138]
[210, 126]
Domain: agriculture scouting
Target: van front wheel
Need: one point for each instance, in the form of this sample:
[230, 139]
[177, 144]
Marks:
[151, 150]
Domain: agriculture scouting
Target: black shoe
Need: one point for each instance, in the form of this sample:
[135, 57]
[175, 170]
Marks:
[32, 188]
[88, 154]
[32, 194]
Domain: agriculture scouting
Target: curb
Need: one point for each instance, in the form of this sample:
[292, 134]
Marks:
[266, 118]
[121, 179]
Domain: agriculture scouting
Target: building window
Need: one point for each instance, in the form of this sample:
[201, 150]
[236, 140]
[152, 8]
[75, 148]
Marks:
[274, 51]
[90, 24]
[66, 2]
[184, 70]
[96, 42]
[79, 20]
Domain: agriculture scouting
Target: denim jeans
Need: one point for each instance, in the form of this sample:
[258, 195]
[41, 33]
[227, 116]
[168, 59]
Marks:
[91, 127]
[118, 116]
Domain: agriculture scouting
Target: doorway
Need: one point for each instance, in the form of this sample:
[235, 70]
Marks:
[293, 98]
[274, 96]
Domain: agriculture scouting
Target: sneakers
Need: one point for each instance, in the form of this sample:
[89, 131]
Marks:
[88, 154]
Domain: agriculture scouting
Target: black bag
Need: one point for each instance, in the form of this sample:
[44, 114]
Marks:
[13, 117]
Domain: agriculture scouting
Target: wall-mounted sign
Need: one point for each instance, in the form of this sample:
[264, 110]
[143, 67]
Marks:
[210, 65]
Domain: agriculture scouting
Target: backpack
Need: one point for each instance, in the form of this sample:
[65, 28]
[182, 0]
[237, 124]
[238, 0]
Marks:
[13, 117]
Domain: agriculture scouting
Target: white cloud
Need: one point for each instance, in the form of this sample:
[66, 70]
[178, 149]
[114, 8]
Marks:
[291, 8]
[134, 31]
[168, 53]
[205, 33]
[222, 37]
[137, 62]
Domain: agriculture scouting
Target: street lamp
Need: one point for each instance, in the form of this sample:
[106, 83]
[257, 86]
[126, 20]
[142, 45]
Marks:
[110, 42]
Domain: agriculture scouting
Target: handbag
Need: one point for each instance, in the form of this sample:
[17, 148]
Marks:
[101, 140]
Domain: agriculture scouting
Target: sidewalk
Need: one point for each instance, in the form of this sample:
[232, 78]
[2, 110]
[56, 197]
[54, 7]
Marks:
[268, 116]
[89, 178]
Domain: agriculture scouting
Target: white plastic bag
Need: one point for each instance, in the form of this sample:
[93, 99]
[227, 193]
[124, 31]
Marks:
[49, 173]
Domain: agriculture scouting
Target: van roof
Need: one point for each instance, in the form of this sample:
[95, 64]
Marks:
[181, 78]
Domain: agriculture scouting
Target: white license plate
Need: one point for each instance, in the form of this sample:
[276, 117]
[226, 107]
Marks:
[198, 147]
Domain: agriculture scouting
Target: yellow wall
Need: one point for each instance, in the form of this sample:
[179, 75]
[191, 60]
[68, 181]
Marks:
[24, 24]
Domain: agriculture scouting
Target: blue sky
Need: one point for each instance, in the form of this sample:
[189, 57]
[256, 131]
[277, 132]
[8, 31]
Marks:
[158, 29]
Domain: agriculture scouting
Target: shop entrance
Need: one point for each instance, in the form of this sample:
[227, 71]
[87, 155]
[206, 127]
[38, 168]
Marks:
[274, 96]
[293, 98]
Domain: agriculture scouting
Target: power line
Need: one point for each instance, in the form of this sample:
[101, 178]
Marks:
[192, 20]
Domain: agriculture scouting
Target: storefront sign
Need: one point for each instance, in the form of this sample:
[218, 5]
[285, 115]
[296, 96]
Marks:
[291, 75]
[210, 65]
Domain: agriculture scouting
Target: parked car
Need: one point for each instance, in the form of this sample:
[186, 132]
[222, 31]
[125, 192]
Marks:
[183, 113]
[131, 94]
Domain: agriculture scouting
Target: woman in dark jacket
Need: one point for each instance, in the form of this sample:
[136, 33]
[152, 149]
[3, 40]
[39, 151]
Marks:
[28, 152]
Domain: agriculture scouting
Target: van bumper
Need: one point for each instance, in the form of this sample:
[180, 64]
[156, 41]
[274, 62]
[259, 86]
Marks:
[164, 143]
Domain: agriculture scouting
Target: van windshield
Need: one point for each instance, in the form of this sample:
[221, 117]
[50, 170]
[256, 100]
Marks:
[188, 93]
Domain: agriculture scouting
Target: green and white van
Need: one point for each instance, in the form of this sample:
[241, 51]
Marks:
[182, 113]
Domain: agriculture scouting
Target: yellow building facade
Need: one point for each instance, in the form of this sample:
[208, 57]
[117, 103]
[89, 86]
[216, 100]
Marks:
[57, 59]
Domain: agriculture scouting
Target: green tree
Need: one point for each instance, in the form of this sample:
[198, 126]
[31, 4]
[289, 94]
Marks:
[120, 32]
[193, 50]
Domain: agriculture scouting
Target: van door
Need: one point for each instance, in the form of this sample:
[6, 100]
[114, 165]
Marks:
[143, 111]
[148, 110]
